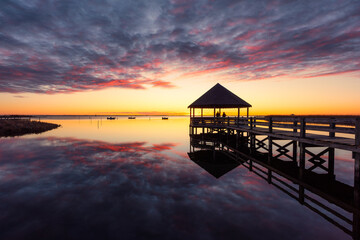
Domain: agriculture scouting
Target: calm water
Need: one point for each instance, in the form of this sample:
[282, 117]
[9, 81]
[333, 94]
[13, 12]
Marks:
[133, 179]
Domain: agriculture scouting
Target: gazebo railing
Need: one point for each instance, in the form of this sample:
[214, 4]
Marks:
[218, 121]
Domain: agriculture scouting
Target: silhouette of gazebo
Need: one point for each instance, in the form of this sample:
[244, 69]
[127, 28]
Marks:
[218, 97]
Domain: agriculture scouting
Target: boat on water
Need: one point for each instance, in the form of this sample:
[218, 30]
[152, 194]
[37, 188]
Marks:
[165, 118]
[110, 118]
[131, 117]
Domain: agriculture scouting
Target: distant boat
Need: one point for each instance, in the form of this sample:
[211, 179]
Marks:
[110, 118]
[131, 117]
[165, 118]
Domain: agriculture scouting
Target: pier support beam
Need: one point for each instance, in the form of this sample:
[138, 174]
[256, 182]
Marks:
[295, 143]
[252, 143]
[356, 216]
[331, 163]
[302, 161]
[270, 153]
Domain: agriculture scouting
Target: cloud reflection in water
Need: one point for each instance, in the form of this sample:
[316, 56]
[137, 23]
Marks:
[64, 188]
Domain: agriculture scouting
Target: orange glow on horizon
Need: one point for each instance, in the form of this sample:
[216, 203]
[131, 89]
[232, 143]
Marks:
[324, 95]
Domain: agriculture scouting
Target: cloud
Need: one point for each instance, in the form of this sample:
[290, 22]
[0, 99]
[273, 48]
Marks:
[66, 46]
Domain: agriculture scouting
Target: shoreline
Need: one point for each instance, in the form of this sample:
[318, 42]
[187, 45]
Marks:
[19, 127]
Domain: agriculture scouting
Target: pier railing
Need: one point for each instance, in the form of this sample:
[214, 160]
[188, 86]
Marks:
[338, 132]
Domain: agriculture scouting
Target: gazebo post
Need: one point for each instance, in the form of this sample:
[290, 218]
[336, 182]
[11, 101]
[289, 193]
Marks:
[193, 112]
[238, 113]
[214, 115]
[247, 114]
[190, 112]
[201, 112]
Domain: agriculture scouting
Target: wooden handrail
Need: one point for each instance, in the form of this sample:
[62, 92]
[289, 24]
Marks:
[329, 126]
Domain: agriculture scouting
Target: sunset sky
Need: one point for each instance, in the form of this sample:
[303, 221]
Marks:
[157, 57]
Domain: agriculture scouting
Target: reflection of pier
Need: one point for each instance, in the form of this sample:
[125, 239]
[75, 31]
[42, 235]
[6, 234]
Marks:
[322, 193]
[296, 154]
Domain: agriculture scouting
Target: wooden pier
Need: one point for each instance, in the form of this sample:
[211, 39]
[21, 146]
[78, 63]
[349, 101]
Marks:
[284, 149]
[300, 149]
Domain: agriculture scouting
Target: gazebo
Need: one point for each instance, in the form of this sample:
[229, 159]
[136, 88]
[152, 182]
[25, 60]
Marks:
[218, 97]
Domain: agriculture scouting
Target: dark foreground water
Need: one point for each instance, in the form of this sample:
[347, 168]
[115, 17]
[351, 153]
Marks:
[133, 179]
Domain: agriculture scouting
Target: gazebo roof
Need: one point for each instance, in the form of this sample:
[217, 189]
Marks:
[219, 97]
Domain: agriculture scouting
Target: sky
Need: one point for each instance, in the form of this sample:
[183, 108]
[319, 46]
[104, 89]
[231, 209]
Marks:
[157, 57]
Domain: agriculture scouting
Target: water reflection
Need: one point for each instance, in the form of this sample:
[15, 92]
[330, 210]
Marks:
[217, 163]
[322, 193]
[81, 184]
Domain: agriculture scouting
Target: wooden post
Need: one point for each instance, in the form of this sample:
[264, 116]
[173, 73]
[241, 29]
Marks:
[238, 118]
[302, 160]
[303, 128]
[301, 194]
[201, 112]
[331, 163]
[190, 112]
[251, 123]
[301, 172]
[247, 114]
[190, 143]
[269, 176]
[294, 142]
[237, 140]
[356, 216]
[227, 136]
[332, 126]
[331, 153]
[270, 155]
[202, 135]
[252, 143]
[214, 156]
[214, 115]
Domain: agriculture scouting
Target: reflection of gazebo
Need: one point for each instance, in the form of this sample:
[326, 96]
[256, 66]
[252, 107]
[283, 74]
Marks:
[218, 97]
[214, 162]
